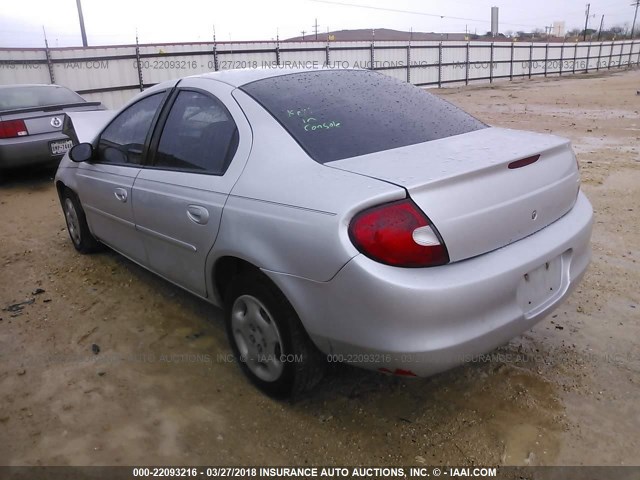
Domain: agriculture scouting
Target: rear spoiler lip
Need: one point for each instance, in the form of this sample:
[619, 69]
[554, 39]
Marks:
[51, 108]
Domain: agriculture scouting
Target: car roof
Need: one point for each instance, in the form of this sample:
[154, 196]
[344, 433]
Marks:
[239, 77]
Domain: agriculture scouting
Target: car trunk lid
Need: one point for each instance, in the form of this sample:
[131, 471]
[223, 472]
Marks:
[46, 119]
[484, 189]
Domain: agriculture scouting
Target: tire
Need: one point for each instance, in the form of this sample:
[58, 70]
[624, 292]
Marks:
[79, 232]
[268, 339]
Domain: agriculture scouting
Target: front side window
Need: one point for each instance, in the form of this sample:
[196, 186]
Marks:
[199, 135]
[123, 140]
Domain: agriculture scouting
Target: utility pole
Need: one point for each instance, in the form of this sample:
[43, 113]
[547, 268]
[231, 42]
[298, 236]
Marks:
[303, 32]
[82, 30]
[315, 28]
[600, 29]
[586, 22]
[633, 27]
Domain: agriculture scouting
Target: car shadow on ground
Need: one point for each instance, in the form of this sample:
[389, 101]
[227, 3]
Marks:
[38, 176]
[348, 383]
[490, 412]
[340, 380]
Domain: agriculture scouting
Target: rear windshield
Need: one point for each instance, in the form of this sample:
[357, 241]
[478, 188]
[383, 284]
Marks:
[346, 113]
[28, 96]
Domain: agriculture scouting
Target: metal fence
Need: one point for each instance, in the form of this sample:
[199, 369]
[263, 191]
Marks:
[114, 74]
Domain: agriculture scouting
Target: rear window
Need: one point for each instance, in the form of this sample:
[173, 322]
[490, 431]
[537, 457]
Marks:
[346, 113]
[12, 98]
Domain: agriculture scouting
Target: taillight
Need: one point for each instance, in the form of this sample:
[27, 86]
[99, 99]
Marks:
[398, 234]
[13, 128]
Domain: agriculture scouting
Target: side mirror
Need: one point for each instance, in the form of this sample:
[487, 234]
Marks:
[83, 152]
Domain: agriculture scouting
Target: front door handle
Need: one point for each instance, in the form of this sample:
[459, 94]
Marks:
[198, 214]
[121, 194]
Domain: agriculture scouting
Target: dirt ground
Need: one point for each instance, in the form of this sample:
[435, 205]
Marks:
[161, 390]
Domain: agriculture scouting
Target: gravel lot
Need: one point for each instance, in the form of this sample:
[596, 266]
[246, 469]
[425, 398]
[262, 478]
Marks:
[161, 391]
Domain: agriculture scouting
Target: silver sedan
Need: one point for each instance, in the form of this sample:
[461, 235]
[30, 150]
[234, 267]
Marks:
[333, 214]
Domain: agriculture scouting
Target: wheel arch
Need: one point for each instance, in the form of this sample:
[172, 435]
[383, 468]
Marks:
[224, 270]
[60, 188]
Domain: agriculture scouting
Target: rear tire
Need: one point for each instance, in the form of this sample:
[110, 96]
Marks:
[79, 232]
[268, 339]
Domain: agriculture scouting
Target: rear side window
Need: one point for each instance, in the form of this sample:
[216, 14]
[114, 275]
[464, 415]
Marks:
[199, 135]
[347, 113]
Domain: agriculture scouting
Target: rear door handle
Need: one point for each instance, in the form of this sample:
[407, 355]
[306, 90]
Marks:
[121, 194]
[198, 214]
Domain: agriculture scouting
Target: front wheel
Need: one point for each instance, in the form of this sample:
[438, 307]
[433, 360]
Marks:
[268, 340]
[79, 232]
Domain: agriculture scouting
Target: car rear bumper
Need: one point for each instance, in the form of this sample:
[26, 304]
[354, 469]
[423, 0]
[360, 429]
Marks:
[423, 321]
[29, 150]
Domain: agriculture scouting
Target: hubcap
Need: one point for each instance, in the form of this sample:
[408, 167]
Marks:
[257, 338]
[73, 224]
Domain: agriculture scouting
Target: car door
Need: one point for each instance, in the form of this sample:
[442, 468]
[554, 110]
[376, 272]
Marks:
[105, 183]
[196, 156]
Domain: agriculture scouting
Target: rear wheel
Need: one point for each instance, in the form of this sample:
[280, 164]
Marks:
[77, 226]
[268, 340]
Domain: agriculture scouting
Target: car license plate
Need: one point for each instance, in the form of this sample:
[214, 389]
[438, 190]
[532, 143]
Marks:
[540, 287]
[60, 147]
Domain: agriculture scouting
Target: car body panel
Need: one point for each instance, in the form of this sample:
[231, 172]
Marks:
[83, 127]
[43, 123]
[465, 187]
[441, 316]
[24, 151]
[316, 202]
[242, 76]
[166, 204]
[106, 195]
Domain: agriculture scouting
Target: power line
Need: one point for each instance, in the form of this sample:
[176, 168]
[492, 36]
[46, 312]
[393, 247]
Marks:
[413, 12]
[433, 15]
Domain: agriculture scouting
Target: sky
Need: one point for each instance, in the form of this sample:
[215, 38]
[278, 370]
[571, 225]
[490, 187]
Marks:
[110, 22]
